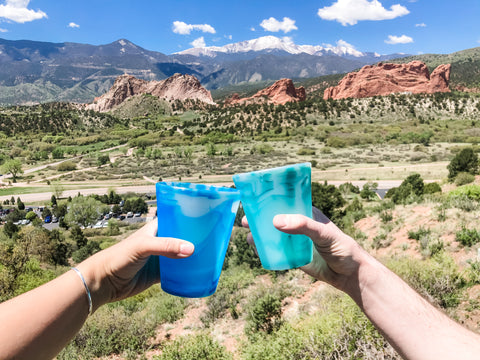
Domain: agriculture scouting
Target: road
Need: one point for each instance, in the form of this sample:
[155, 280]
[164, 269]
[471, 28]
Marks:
[221, 180]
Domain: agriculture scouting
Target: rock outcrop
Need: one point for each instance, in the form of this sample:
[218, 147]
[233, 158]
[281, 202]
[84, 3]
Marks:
[281, 92]
[176, 87]
[386, 79]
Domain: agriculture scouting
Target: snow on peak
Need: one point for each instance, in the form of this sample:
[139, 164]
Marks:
[269, 43]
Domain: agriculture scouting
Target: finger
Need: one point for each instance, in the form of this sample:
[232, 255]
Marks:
[245, 222]
[250, 239]
[300, 224]
[165, 246]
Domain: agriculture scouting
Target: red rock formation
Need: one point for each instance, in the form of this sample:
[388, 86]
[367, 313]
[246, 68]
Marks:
[176, 87]
[385, 79]
[281, 92]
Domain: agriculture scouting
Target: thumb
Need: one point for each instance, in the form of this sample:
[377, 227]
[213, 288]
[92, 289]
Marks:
[296, 224]
[301, 224]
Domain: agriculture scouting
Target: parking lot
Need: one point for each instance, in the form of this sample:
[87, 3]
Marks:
[53, 222]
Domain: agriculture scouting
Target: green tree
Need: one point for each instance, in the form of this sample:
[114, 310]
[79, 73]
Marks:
[84, 211]
[13, 167]
[61, 251]
[78, 237]
[327, 198]
[10, 228]
[465, 161]
[103, 159]
[57, 189]
[20, 204]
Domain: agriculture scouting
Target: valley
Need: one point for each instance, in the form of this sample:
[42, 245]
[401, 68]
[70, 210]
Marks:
[401, 145]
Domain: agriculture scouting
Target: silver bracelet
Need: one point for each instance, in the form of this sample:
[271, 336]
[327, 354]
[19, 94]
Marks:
[89, 296]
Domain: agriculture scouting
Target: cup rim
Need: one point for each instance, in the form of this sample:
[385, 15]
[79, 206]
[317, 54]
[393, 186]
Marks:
[197, 188]
[275, 169]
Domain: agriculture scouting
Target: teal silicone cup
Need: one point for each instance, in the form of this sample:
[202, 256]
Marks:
[266, 193]
[203, 215]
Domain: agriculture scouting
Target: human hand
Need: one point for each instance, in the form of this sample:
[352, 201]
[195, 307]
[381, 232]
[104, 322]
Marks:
[337, 256]
[130, 266]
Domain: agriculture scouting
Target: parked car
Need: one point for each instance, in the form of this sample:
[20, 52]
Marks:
[122, 217]
[137, 214]
[129, 214]
[48, 219]
[54, 219]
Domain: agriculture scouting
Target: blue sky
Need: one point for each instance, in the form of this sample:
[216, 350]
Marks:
[382, 26]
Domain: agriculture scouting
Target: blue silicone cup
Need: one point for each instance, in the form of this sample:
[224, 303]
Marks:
[203, 215]
[266, 193]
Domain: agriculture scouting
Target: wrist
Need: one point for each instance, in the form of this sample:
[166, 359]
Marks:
[366, 273]
[96, 283]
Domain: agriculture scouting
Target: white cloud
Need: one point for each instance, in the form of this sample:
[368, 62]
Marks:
[252, 29]
[179, 27]
[73, 25]
[3, 30]
[198, 43]
[274, 25]
[421, 25]
[349, 12]
[404, 39]
[16, 10]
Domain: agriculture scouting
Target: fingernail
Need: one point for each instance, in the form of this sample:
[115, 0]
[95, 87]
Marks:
[279, 221]
[186, 248]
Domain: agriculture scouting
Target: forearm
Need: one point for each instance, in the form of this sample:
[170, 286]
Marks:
[39, 323]
[415, 328]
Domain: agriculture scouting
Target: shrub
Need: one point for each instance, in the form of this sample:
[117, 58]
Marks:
[264, 314]
[240, 252]
[419, 234]
[464, 178]
[409, 190]
[338, 331]
[432, 188]
[469, 191]
[465, 161]
[67, 166]
[306, 151]
[437, 278]
[81, 254]
[327, 198]
[467, 237]
[194, 347]
[228, 295]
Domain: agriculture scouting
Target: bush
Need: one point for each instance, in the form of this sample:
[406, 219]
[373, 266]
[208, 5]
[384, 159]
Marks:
[265, 314]
[438, 278]
[338, 331]
[86, 251]
[469, 191]
[465, 161]
[419, 234]
[464, 178]
[328, 199]
[432, 188]
[411, 189]
[194, 347]
[467, 237]
[228, 295]
[306, 151]
[67, 166]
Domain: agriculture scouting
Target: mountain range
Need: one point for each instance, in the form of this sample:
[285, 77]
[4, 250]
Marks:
[32, 71]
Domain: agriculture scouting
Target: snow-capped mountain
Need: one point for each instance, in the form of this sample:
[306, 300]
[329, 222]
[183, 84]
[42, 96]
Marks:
[273, 43]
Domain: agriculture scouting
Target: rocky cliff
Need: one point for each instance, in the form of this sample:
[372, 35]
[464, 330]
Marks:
[281, 92]
[176, 87]
[385, 79]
